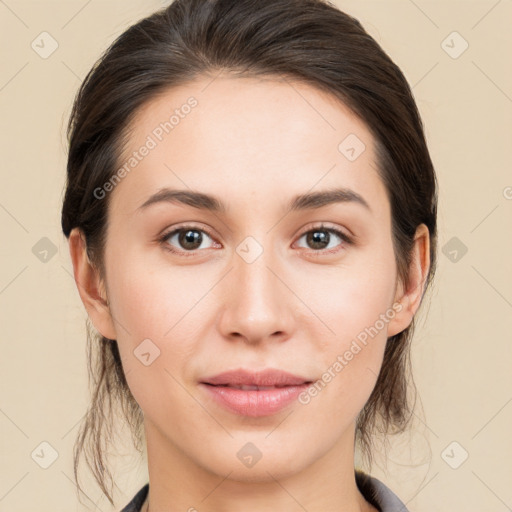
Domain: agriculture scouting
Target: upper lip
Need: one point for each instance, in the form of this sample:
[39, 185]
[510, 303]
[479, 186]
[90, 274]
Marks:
[267, 377]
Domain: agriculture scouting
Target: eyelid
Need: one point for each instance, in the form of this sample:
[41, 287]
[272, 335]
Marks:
[182, 227]
[346, 238]
[186, 225]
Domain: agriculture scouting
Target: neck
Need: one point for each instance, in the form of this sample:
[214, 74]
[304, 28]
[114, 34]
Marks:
[178, 483]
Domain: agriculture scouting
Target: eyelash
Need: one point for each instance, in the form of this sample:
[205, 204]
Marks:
[163, 239]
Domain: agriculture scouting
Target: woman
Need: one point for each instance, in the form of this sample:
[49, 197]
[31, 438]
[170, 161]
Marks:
[251, 214]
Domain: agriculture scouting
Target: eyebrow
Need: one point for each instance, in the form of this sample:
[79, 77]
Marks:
[200, 200]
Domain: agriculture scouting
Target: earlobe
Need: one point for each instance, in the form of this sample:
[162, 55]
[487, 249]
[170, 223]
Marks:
[410, 299]
[90, 286]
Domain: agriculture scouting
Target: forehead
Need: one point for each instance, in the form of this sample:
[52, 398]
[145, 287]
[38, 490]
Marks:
[260, 137]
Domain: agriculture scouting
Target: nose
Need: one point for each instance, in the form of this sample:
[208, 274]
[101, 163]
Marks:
[258, 305]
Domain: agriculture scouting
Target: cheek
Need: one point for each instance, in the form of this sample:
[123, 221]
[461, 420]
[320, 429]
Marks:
[154, 312]
[351, 366]
[358, 310]
[150, 297]
[357, 303]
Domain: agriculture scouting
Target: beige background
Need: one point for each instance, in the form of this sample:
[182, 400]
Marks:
[463, 345]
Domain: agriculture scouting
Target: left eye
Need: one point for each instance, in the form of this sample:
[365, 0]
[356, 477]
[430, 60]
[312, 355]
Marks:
[321, 238]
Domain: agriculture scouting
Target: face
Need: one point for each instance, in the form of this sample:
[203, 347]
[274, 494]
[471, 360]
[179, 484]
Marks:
[266, 280]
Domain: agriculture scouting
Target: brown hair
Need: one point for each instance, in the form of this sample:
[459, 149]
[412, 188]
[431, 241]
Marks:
[306, 40]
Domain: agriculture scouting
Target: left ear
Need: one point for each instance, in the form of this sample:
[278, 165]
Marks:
[410, 299]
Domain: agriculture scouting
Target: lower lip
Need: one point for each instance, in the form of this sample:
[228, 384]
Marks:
[254, 403]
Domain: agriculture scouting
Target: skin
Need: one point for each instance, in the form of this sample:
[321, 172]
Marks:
[255, 144]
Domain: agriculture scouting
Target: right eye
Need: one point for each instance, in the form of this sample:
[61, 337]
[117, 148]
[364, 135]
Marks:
[188, 239]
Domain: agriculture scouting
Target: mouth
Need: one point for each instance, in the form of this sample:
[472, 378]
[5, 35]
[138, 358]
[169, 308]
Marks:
[268, 378]
[253, 388]
[254, 394]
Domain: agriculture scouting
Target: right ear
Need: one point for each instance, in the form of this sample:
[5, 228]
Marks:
[90, 286]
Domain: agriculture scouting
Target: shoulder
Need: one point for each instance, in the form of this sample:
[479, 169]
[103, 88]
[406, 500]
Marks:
[137, 501]
[378, 494]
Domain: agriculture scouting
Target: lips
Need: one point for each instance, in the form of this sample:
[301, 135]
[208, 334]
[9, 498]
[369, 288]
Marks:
[268, 378]
[249, 388]
[254, 394]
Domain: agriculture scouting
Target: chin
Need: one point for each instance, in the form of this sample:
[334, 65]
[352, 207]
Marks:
[261, 472]
[247, 460]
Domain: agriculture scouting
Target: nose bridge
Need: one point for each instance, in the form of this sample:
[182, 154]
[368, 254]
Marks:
[256, 305]
[255, 283]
